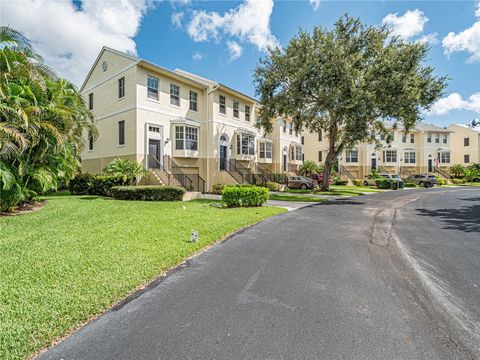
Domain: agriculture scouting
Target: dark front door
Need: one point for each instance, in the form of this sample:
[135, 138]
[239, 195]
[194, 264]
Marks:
[430, 165]
[223, 157]
[374, 164]
[284, 162]
[153, 154]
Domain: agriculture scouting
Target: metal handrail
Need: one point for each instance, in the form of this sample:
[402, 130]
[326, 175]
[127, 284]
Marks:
[442, 172]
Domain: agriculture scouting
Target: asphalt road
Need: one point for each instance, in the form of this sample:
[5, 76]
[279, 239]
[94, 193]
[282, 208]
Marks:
[394, 275]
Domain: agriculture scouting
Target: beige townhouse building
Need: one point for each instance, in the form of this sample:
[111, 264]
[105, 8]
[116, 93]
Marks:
[424, 149]
[186, 129]
[465, 144]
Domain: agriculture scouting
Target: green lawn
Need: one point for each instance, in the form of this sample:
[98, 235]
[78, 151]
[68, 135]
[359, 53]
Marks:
[340, 190]
[304, 198]
[79, 255]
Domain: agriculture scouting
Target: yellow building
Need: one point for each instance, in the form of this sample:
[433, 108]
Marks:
[424, 149]
[186, 129]
[465, 144]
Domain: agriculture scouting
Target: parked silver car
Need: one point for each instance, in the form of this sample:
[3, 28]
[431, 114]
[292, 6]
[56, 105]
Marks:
[422, 180]
[301, 182]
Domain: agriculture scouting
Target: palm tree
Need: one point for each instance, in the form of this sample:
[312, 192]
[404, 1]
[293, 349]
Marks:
[457, 170]
[42, 120]
[308, 168]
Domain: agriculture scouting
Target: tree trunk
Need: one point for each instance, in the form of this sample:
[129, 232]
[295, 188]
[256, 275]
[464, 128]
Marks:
[332, 153]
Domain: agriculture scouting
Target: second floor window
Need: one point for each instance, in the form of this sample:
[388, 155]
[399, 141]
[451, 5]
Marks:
[290, 128]
[90, 101]
[445, 137]
[221, 104]
[174, 95]
[245, 144]
[247, 113]
[284, 125]
[437, 138]
[466, 141]
[90, 141]
[152, 87]
[186, 138]
[409, 157]
[121, 87]
[302, 140]
[296, 153]
[121, 132]
[404, 138]
[429, 137]
[193, 101]
[265, 150]
[412, 138]
[320, 135]
[444, 157]
[236, 107]
[390, 156]
[351, 156]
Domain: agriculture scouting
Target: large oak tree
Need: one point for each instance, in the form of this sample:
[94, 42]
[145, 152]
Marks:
[346, 82]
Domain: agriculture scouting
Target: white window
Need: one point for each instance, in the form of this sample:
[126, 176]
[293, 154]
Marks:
[193, 101]
[390, 156]
[412, 138]
[429, 137]
[152, 87]
[437, 138]
[351, 156]
[236, 107]
[265, 150]
[247, 113]
[245, 144]
[445, 138]
[174, 95]
[444, 157]
[284, 125]
[154, 129]
[186, 138]
[404, 138]
[296, 153]
[409, 157]
[290, 128]
[221, 103]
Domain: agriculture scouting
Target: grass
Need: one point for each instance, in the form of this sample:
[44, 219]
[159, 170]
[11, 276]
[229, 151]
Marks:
[78, 256]
[340, 190]
[302, 198]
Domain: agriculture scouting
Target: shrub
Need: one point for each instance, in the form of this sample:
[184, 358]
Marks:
[358, 182]
[86, 184]
[148, 193]
[273, 186]
[245, 196]
[384, 183]
[458, 181]
[340, 182]
[217, 189]
[127, 169]
[441, 181]
[410, 185]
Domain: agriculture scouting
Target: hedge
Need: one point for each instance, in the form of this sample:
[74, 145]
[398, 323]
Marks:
[441, 181]
[148, 193]
[384, 183]
[86, 184]
[217, 189]
[358, 182]
[410, 185]
[244, 195]
[340, 182]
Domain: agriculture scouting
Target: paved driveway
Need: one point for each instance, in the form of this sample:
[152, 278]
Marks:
[325, 282]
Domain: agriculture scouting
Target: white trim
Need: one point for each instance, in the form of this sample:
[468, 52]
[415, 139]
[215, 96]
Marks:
[107, 79]
[185, 121]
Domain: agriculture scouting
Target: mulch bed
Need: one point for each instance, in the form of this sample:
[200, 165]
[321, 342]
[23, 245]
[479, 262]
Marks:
[25, 208]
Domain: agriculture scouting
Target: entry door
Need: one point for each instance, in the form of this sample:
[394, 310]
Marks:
[374, 164]
[430, 165]
[154, 153]
[284, 162]
[223, 157]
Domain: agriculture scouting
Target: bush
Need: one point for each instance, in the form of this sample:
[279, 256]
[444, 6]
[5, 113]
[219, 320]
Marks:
[459, 181]
[86, 184]
[358, 182]
[410, 185]
[148, 193]
[384, 183]
[217, 189]
[245, 196]
[441, 181]
[340, 182]
[273, 186]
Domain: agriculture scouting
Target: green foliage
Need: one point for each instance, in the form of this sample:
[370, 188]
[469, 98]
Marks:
[383, 183]
[148, 193]
[217, 189]
[441, 181]
[410, 185]
[273, 186]
[457, 170]
[375, 173]
[42, 122]
[244, 196]
[459, 181]
[472, 174]
[345, 82]
[129, 170]
[358, 182]
[338, 181]
[86, 184]
[308, 168]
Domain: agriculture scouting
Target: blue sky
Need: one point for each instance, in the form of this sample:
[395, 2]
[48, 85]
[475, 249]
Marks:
[223, 40]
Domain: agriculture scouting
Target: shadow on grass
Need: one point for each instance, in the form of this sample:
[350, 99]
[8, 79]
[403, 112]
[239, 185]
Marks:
[466, 218]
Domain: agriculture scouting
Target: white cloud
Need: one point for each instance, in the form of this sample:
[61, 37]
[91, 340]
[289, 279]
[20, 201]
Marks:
[406, 26]
[197, 56]
[477, 12]
[70, 38]
[467, 40]
[315, 4]
[234, 49]
[428, 39]
[454, 101]
[248, 22]
[177, 18]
